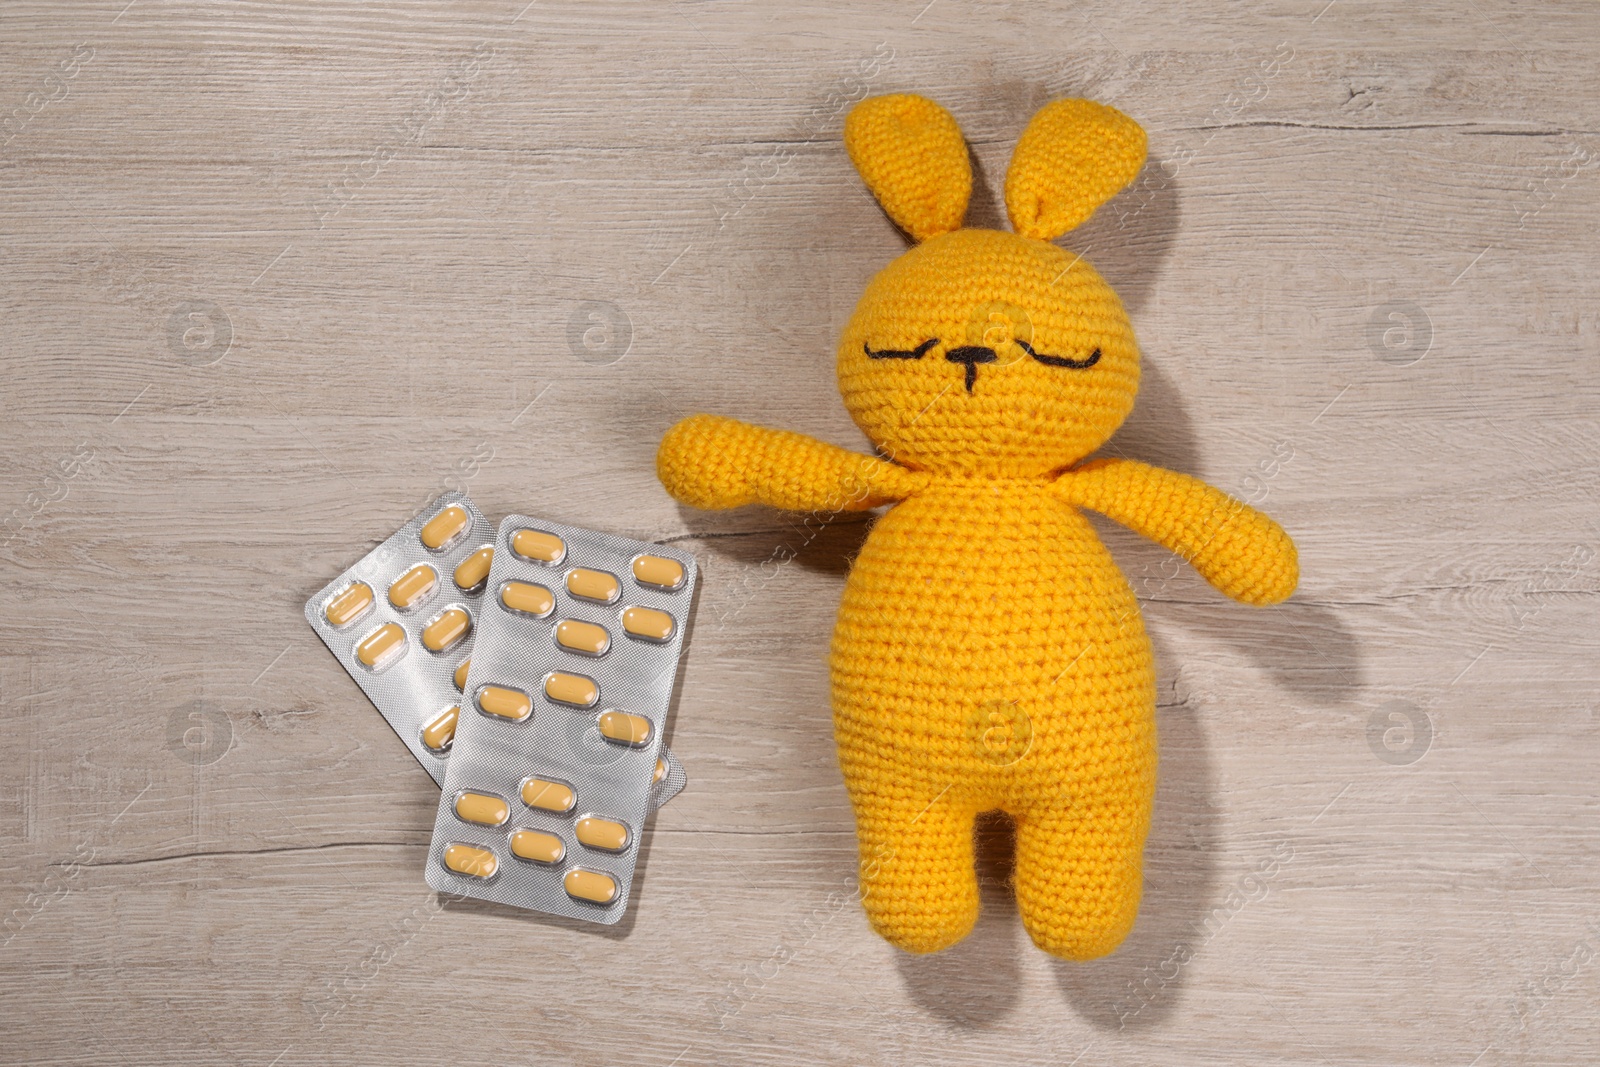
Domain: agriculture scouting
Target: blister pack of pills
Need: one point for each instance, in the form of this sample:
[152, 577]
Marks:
[561, 720]
[402, 622]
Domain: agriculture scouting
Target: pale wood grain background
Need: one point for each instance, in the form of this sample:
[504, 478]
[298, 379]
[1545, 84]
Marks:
[213, 844]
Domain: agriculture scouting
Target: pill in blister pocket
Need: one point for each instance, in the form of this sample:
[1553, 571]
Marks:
[381, 646]
[624, 728]
[348, 605]
[548, 796]
[483, 809]
[589, 885]
[450, 627]
[538, 546]
[661, 772]
[593, 585]
[658, 571]
[460, 676]
[413, 587]
[604, 834]
[527, 598]
[441, 732]
[464, 859]
[471, 571]
[444, 527]
[584, 637]
[572, 689]
[536, 846]
[648, 623]
[506, 703]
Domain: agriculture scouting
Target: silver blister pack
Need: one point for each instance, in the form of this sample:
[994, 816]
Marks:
[387, 598]
[415, 690]
[561, 722]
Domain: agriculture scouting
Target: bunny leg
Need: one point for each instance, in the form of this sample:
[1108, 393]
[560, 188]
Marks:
[1079, 874]
[918, 885]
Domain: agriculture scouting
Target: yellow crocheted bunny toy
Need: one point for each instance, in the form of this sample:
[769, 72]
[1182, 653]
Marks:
[989, 654]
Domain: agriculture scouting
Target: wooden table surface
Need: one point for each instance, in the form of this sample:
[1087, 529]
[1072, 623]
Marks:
[275, 274]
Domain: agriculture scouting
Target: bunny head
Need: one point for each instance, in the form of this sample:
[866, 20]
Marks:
[979, 351]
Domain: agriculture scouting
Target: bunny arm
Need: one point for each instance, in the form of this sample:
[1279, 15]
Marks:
[1234, 547]
[711, 462]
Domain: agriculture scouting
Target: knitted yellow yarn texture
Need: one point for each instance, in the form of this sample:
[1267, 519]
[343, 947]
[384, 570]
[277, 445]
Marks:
[988, 652]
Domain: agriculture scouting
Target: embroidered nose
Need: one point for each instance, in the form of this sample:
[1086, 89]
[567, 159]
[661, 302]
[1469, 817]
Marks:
[971, 356]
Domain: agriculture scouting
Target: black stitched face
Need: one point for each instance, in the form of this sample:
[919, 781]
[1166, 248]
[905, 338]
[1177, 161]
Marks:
[1032, 410]
[970, 356]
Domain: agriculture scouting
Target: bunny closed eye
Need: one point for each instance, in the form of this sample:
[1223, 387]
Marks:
[1061, 361]
[900, 353]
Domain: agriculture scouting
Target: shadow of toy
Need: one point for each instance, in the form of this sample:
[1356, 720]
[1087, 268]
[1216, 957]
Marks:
[1140, 984]
[1130, 237]
[1304, 648]
[1308, 653]
[974, 984]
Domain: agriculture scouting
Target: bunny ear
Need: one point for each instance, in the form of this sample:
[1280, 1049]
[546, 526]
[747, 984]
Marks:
[910, 153]
[1074, 156]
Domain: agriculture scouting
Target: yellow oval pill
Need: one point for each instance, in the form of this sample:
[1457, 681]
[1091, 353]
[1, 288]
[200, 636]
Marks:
[661, 772]
[348, 604]
[471, 571]
[584, 637]
[461, 675]
[595, 832]
[444, 527]
[593, 585]
[648, 623]
[527, 598]
[538, 546]
[536, 846]
[381, 646]
[451, 626]
[441, 732]
[548, 796]
[590, 885]
[506, 703]
[483, 809]
[623, 728]
[464, 859]
[572, 689]
[658, 571]
[413, 587]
